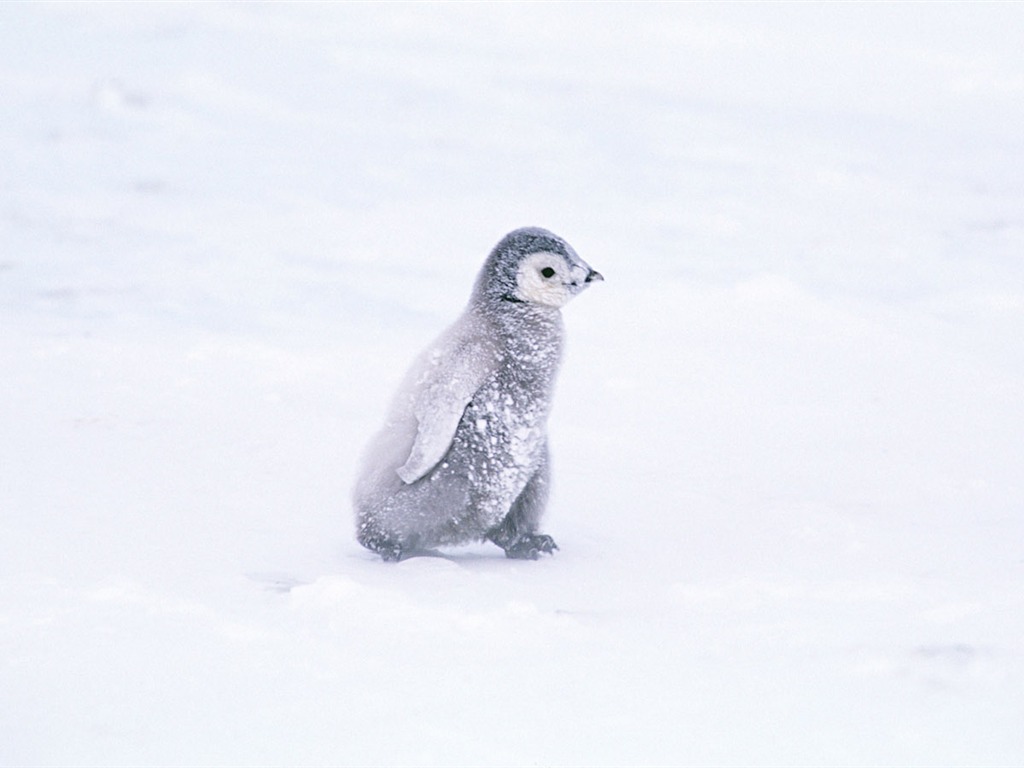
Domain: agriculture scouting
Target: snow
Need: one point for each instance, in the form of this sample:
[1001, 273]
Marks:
[787, 436]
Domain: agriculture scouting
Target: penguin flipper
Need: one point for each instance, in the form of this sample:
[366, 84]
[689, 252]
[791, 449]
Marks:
[448, 388]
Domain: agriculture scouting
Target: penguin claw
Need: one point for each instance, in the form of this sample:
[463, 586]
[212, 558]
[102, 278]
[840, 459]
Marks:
[531, 546]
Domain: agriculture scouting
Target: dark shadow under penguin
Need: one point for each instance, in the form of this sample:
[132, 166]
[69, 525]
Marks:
[463, 455]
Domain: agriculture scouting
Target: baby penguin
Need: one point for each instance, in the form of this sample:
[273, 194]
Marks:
[463, 455]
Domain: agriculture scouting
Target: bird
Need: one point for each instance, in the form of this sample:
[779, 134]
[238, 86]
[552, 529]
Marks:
[463, 454]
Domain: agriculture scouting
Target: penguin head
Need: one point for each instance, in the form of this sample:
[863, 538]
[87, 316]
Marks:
[534, 266]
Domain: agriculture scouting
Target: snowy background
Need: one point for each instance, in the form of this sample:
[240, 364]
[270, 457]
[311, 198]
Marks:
[788, 436]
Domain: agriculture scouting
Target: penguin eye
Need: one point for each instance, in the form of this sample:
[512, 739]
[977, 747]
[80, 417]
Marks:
[548, 272]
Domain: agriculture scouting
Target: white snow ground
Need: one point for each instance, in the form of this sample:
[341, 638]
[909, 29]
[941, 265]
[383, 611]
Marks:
[788, 437]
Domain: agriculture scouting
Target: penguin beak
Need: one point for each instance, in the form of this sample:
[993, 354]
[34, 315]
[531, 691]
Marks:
[594, 276]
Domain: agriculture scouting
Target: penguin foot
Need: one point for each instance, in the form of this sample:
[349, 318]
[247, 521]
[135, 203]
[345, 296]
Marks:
[530, 546]
[389, 549]
[390, 553]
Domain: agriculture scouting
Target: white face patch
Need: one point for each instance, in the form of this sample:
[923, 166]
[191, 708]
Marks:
[545, 278]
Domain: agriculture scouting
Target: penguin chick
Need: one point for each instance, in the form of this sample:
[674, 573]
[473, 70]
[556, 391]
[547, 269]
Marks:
[463, 455]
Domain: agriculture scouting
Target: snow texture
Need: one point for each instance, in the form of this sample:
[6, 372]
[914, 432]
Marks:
[788, 432]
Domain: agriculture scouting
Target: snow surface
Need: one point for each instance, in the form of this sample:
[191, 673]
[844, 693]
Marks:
[788, 436]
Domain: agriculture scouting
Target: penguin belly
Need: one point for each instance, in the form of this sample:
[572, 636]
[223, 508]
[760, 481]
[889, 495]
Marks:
[497, 447]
